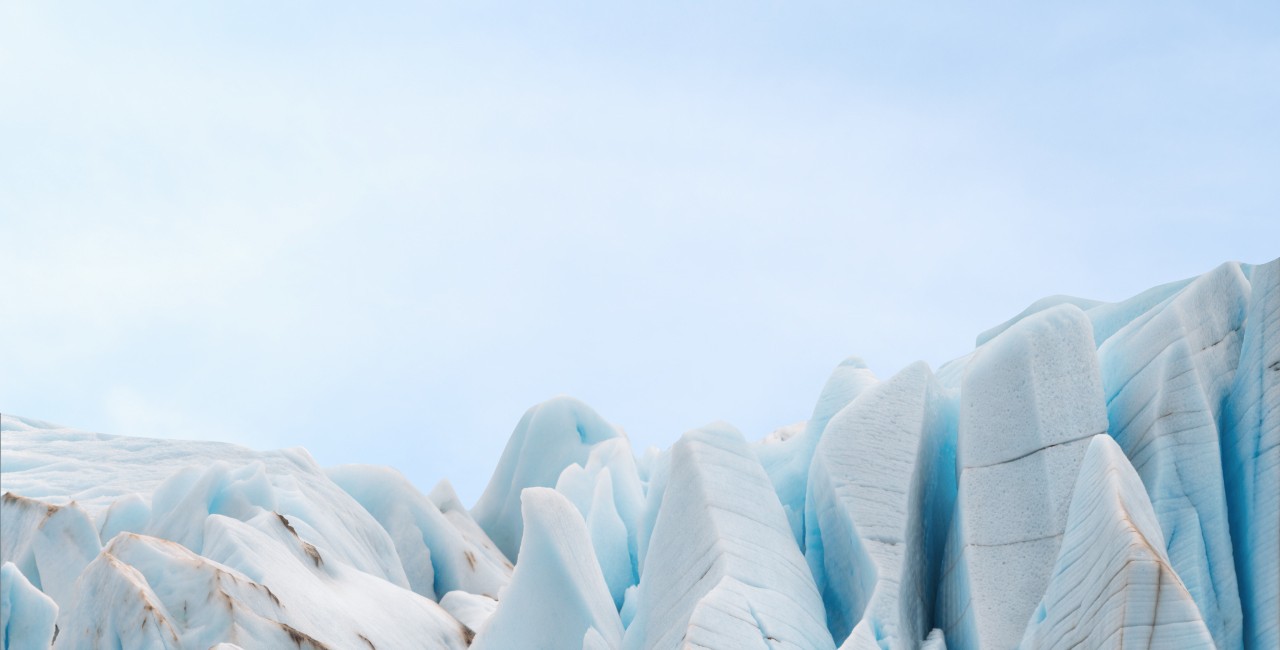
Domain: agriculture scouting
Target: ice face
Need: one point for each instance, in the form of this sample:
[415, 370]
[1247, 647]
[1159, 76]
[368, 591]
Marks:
[1113, 585]
[787, 460]
[27, 616]
[1030, 401]
[557, 593]
[1092, 474]
[438, 554]
[550, 437]
[722, 544]
[50, 544]
[1251, 461]
[881, 489]
[1166, 375]
[608, 493]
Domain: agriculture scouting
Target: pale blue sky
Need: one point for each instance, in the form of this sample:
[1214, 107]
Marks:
[383, 231]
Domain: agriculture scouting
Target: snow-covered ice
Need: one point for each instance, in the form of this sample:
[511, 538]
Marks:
[1090, 475]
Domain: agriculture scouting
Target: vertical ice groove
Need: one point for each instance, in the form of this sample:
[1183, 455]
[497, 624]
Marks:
[1030, 400]
[935, 641]
[654, 493]
[881, 483]
[1166, 375]
[609, 539]
[1112, 585]
[1251, 461]
[608, 493]
[722, 547]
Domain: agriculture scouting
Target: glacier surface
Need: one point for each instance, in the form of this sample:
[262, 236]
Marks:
[1092, 474]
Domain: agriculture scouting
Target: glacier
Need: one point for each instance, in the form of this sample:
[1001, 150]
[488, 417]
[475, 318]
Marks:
[1092, 474]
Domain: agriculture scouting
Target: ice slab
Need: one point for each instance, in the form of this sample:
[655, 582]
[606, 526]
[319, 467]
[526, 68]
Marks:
[881, 491]
[720, 519]
[1030, 400]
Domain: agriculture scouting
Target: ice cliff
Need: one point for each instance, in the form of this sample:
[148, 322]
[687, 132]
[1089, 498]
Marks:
[1092, 474]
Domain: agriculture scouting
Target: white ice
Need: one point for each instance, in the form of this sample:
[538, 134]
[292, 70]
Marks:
[1030, 401]
[1113, 586]
[721, 545]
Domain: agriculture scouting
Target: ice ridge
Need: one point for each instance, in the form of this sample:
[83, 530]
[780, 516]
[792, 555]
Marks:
[1091, 474]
